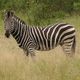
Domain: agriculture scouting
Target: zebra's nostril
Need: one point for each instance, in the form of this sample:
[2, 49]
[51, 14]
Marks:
[7, 34]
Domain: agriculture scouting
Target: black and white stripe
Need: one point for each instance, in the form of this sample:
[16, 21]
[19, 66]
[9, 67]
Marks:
[47, 38]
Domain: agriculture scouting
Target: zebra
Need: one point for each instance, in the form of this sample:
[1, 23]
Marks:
[40, 38]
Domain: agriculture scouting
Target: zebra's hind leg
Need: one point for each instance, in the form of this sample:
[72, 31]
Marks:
[74, 45]
[68, 48]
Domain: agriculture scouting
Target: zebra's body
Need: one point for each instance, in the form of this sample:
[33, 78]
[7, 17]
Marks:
[47, 38]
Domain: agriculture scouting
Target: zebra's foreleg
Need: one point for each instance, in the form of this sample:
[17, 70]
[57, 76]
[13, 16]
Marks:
[31, 51]
[26, 52]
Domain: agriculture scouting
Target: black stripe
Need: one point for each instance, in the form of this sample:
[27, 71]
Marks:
[33, 38]
[22, 40]
[41, 42]
[53, 38]
[14, 32]
[27, 41]
[35, 35]
[49, 44]
[61, 31]
[46, 29]
[69, 38]
[51, 30]
[66, 34]
[36, 39]
[27, 37]
[44, 40]
[20, 34]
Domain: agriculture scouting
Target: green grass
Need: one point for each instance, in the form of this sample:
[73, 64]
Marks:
[14, 65]
[1, 25]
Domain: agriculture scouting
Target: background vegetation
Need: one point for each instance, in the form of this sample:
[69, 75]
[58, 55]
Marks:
[49, 65]
[38, 11]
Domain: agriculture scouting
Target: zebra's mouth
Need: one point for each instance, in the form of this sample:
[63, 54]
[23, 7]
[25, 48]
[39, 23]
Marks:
[7, 34]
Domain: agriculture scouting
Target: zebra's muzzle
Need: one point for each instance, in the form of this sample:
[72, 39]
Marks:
[7, 34]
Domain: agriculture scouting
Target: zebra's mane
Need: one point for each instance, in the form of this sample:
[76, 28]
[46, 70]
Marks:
[21, 21]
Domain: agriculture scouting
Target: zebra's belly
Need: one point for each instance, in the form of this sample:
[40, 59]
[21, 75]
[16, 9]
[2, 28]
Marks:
[44, 48]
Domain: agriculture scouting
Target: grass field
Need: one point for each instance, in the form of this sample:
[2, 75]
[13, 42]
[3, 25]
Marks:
[49, 65]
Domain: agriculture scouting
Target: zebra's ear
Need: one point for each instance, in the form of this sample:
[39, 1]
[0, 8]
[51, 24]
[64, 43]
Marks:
[12, 13]
[9, 14]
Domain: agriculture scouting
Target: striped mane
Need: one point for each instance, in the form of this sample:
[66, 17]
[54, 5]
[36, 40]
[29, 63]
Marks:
[17, 18]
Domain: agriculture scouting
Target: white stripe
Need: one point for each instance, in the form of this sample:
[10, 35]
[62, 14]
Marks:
[18, 29]
[52, 35]
[45, 38]
[38, 38]
[23, 35]
[48, 32]
[41, 39]
[25, 41]
[62, 27]
[45, 28]
[69, 30]
[68, 36]
[69, 40]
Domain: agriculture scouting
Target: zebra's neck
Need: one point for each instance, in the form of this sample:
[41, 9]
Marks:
[20, 28]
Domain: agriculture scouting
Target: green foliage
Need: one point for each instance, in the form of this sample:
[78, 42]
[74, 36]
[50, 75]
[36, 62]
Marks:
[77, 7]
[39, 10]
[45, 9]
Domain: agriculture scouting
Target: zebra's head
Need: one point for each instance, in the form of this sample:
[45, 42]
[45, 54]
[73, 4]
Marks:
[8, 23]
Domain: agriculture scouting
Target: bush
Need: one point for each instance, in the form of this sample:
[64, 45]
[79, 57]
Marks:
[38, 10]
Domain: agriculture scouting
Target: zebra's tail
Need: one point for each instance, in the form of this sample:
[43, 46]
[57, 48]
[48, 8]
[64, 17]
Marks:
[74, 45]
